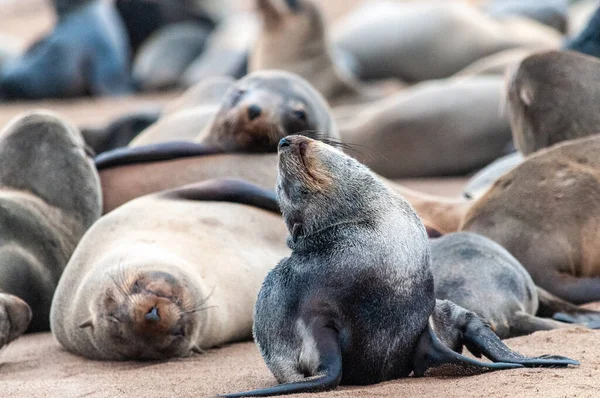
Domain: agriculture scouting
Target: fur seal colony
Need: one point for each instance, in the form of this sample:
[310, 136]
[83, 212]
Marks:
[86, 53]
[544, 213]
[480, 275]
[169, 274]
[315, 327]
[255, 112]
[50, 196]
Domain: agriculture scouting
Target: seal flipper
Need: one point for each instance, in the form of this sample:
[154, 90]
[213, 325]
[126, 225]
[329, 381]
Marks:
[151, 153]
[459, 327]
[554, 307]
[120, 132]
[226, 190]
[329, 372]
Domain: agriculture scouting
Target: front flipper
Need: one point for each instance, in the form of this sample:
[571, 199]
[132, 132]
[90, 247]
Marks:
[552, 306]
[15, 317]
[453, 326]
[226, 190]
[151, 153]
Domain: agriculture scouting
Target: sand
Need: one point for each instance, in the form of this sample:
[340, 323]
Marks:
[36, 366]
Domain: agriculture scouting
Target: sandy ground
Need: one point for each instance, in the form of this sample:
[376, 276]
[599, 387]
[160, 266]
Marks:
[36, 366]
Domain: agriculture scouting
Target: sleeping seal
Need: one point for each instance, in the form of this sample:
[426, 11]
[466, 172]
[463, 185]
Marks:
[480, 275]
[354, 303]
[294, 37]
[86, 54]
[548, 99]
[444, 127]
[50, 196]
[169, 274]
[544, 213]
[418, 41]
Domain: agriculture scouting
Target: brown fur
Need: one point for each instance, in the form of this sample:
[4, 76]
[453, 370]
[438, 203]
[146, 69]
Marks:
[165, 276]
[544, 213]
[296, 40]
[549, 97]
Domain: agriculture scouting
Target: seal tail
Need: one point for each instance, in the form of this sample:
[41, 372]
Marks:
[328, 375]
[458, 328]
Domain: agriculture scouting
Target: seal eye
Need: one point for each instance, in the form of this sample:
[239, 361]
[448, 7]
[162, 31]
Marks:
[300, 114]
[236, 96]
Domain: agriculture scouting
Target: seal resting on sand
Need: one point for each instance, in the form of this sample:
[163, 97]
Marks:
[169, 274]
[544, 213]
[50, 196]
[354, 303]
[480, 275]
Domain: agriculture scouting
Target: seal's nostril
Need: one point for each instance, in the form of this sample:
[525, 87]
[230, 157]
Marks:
[254, 111]
[152, 315]
[283, 143]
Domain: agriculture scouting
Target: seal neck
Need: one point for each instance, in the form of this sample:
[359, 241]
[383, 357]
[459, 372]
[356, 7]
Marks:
[300, 240]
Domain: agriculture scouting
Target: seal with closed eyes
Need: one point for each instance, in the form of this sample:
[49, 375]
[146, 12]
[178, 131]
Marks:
[354, 303]
[169, 274]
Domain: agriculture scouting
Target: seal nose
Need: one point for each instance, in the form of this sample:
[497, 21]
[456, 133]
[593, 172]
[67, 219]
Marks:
[152, 315]
[284, 142]
[254, 111]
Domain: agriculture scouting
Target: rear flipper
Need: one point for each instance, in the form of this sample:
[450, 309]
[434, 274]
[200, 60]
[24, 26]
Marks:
[328, 373]
[451, 327]
[563, 311]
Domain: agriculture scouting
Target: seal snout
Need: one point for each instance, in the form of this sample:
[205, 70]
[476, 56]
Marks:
[254, 111]
[152, 315]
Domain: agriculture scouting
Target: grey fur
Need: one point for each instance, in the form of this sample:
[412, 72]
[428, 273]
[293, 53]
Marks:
[481, 276]
[50, 196]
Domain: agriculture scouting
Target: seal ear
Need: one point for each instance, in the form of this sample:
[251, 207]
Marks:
[88, 323]
[297, 231]
[526, 96]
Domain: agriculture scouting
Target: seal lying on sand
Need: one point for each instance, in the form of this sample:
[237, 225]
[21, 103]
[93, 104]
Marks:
[549, 97]
[169, 274]
[417, 41]
[544, 213]
[86, 53]
[354, 303]
[437, 128]
[481, 276]
[251, 115]
[50, 196]
[257, 111]
[294, 37]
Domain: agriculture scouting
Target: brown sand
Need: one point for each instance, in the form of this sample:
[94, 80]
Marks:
[36, 366]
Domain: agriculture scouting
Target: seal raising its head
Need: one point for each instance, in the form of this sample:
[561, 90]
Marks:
[354, 303]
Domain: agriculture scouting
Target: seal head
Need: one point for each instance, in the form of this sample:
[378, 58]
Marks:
[265, 107]
[146, 315]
